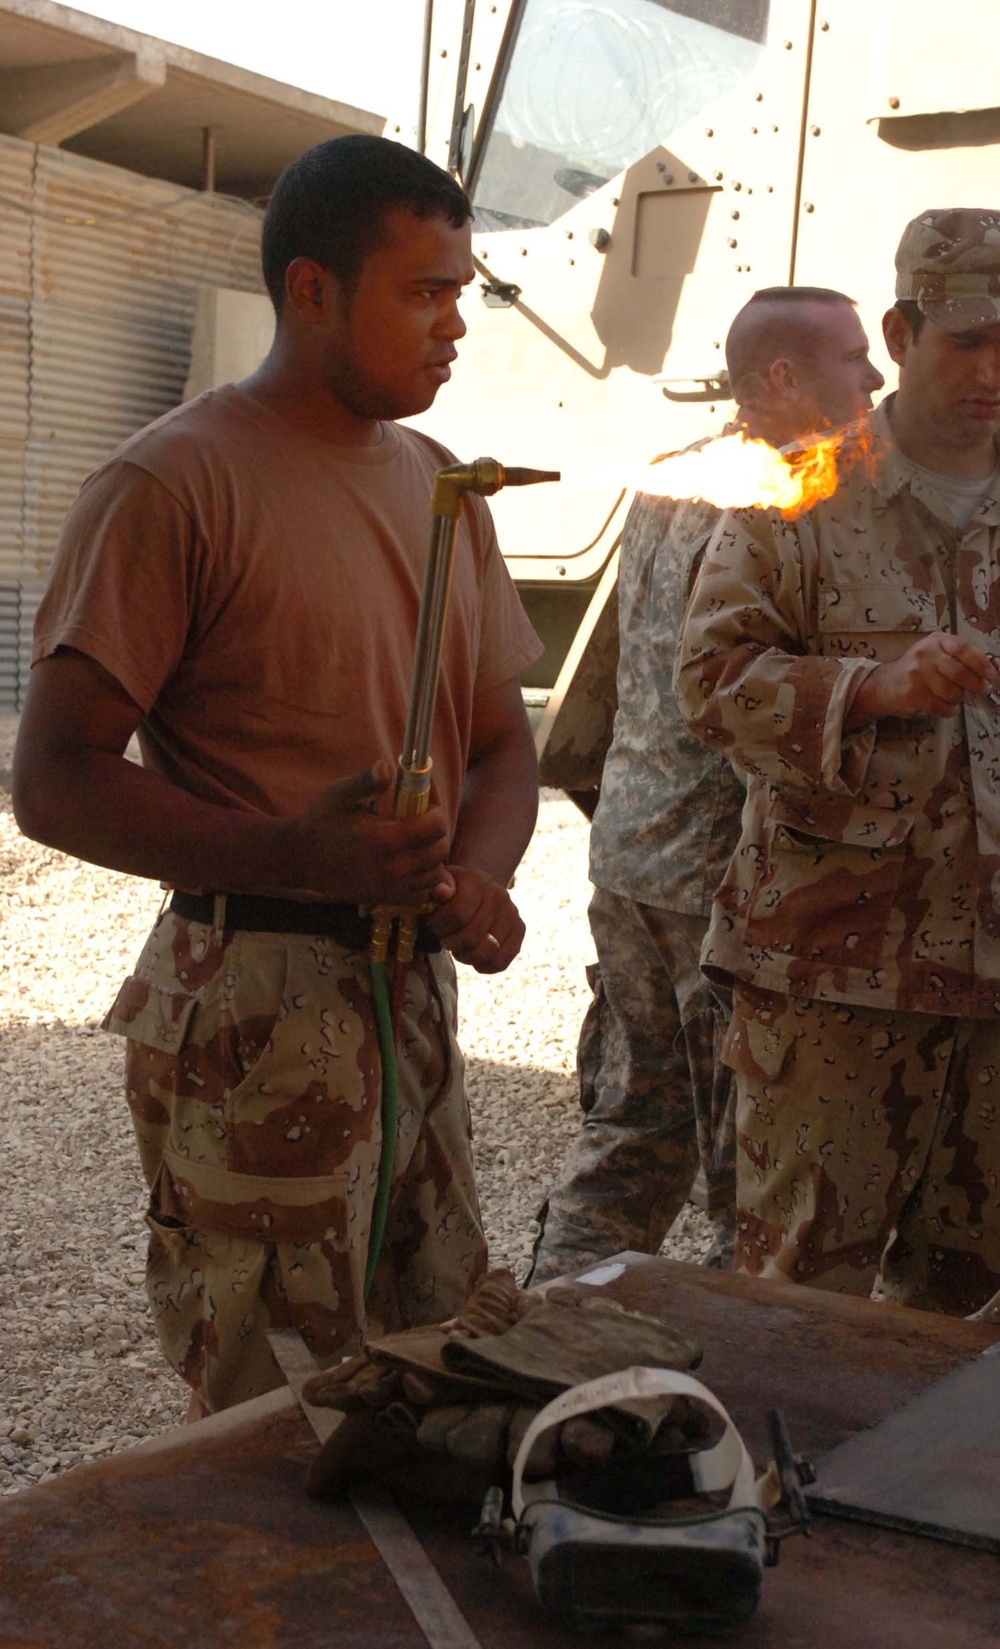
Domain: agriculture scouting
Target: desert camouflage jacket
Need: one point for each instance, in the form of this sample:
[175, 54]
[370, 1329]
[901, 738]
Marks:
[669, 814]
[868, 868]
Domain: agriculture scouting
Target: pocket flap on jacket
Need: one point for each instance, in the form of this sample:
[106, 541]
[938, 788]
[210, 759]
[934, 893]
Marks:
[810, 823]
[147, 1014]
[875, 607]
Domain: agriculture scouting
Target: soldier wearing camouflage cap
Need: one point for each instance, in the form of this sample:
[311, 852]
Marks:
[948, 264]
[847, 661]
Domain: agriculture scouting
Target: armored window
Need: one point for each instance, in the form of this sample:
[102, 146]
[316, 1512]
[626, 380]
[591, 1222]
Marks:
[591, 87]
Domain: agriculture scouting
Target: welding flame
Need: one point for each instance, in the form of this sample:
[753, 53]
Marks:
[739, 471]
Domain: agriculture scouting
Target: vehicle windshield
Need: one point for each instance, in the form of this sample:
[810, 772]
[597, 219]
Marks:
[592, 85]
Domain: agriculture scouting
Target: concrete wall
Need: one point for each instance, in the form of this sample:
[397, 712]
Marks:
[232, 334]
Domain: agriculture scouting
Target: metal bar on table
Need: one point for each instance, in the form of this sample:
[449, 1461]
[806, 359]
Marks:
[424, 1592]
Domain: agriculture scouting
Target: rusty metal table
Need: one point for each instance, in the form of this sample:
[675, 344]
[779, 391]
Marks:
[205, 1540]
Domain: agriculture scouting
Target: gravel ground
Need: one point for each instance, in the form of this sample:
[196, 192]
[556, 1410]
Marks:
[82, 1374]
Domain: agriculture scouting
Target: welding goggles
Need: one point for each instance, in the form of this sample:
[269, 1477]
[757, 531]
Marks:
[699, 1570]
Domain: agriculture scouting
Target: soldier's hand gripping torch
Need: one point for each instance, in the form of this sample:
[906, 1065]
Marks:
[413, 788]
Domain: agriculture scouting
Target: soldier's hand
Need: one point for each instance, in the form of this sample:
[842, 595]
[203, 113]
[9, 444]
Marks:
[345, 847]
[479, 922]
[930, 678]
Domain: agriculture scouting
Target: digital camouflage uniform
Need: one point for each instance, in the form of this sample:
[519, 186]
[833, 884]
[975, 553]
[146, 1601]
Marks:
[859, 919]
[260, 1136]
[654, 1095]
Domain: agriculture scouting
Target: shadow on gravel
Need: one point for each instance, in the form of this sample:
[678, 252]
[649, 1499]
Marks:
[495, 1081]
[73, 1071]
[530, 1094]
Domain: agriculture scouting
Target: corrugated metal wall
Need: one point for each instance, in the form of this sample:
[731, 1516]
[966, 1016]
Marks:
[16, 164]
[99, 272]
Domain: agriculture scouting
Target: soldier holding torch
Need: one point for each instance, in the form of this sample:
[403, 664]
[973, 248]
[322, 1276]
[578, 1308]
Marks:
[239, 585]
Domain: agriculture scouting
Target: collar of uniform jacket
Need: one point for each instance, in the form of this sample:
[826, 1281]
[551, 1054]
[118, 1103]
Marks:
[893, 472]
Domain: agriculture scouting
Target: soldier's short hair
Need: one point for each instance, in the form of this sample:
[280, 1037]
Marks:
[774, 324]
[912, 312]
[800, 294]
[330, 205]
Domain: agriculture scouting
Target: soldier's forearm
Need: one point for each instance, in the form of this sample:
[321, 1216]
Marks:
[108, 811]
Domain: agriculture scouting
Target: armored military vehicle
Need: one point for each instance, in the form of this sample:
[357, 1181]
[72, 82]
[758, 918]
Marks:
[639, 168]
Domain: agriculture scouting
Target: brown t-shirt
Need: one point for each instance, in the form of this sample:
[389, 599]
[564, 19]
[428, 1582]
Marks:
[255, 591]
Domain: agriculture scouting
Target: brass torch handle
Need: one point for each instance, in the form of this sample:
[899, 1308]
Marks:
[427, 649]
[413, 790]
[413, 794]
[413, 772]
[413, 775]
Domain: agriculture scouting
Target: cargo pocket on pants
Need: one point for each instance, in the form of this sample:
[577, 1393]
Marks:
[166, 1234]
[761, 1034]
[253, 1207]
[190, 1052]
[155, 1024]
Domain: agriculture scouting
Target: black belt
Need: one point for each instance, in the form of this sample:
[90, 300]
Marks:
[255, 913]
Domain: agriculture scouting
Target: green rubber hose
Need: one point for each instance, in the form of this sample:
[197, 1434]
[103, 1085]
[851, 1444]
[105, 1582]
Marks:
[390, 1116]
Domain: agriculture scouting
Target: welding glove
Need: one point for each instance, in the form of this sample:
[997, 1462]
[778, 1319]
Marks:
[448, 1406]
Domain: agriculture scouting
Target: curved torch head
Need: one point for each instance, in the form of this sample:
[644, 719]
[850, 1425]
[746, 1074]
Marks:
[483, 475]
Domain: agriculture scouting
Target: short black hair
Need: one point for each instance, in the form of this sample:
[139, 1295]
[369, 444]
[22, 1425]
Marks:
[330, 205]
[912, 312]
[800, 294]
[768, 327]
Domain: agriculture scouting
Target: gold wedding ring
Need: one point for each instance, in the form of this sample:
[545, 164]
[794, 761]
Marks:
[494, 941]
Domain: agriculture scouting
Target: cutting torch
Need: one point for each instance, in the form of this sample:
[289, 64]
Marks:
[394, 927]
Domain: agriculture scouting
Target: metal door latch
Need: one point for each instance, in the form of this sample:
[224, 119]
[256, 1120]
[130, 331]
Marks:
[499, 294]
[713, 387]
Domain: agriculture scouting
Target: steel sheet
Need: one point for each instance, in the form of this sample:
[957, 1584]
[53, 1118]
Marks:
[209, 1538]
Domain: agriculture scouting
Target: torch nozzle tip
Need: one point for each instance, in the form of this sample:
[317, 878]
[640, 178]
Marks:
[528, 478]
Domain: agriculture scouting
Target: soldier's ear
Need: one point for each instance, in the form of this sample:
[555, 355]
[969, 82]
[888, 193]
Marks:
[781, 378]
[311, 293]
[898, 334]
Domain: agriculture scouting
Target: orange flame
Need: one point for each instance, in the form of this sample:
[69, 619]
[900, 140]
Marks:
[739, 471]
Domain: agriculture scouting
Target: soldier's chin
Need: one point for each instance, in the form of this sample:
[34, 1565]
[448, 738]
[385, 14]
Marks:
[416, 403]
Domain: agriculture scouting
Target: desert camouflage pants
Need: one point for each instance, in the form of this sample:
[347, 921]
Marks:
[655, 1097]
[254, 1082]
[868, 1149]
